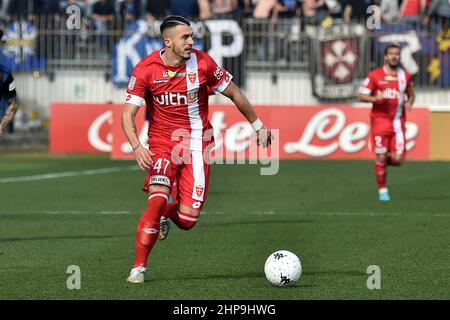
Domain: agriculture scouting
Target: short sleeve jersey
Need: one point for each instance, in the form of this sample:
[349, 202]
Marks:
[176, 97]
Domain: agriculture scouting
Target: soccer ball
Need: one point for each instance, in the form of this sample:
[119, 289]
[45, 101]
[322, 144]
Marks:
[283, 268]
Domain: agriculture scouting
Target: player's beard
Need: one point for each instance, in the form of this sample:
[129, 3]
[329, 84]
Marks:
[182, 53]
[393, 66]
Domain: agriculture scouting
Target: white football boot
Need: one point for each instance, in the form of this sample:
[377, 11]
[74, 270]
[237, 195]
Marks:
[137, 275]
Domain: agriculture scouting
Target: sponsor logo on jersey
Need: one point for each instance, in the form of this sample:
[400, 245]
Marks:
[390, 78]
[160, 81]
[192, 77]
[171, 74]
[390, 93]
[383, 82]
[132, 83]
[199, 190]
[160, 180]
[171, 99]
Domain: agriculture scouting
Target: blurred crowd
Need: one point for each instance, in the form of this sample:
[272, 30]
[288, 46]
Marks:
[106, 21]
[104, 12]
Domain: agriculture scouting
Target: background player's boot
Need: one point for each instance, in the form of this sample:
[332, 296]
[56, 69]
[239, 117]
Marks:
[137, 275]
[164, 227]
[383, 195]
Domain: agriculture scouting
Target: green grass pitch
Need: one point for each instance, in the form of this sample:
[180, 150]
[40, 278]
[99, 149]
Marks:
[326, 212]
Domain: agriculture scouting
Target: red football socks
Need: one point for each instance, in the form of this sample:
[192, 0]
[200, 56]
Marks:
[381, 174]
[148, 228]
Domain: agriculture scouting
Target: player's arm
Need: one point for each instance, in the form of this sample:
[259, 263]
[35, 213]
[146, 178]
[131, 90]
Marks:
[143, 156]
[9, 115]
[11, 109]
[246, 109]
[411, 97]
[369, 98]
[367, 89]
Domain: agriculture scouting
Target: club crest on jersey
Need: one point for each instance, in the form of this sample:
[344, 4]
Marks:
[199, 190]
[192, 77]
[132, 83]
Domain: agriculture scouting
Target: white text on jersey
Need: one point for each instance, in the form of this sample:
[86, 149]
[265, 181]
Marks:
[171, 99]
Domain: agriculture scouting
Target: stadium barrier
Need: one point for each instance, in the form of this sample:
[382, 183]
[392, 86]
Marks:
[303, 132]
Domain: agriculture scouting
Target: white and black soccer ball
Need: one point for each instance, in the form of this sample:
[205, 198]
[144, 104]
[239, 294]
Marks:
[283, 268]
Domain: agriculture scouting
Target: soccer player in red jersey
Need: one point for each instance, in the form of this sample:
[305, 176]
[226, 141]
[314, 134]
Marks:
[174, 83]
[390, 90]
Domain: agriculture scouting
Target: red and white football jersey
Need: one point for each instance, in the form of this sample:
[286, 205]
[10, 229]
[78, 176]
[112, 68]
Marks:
[393, 88]
[177, 97]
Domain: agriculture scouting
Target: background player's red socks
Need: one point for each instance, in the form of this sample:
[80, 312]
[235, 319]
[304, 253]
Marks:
[381, 174]
[148, 228]
[183, 221]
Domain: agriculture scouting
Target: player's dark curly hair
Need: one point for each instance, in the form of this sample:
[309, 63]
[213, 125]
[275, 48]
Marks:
[173, 21]
[392, 45]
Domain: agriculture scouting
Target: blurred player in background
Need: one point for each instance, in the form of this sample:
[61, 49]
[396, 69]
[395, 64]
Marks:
[174, 83]
[8, 105]
[390, 90]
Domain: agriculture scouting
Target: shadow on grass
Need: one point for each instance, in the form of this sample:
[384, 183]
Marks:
[62, 238]
[236, 276]
[334, 273]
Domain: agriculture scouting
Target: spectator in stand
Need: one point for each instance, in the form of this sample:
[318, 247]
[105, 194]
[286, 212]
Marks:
[130, 10]
[19, 9]
[311, 11]
[48, 17]
[439, 9]
[355, 10]
[103, 14]
[185, 8]
[157, 9]
[205, 10]
[287, 9]
[389, 10]
[224, 9]
[411, 11]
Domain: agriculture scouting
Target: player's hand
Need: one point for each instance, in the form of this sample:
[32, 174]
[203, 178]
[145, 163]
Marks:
[144, 158]
[408, 106]
[264, 137]
[378, 97]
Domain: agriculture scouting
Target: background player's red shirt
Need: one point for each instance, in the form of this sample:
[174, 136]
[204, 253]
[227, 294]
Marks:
[177, 97]
[393, 88]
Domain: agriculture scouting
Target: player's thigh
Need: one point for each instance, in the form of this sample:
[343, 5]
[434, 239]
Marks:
[162, 175]
[193, 183]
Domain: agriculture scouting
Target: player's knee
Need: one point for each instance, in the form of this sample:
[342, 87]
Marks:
[382, 159]
[187, 220]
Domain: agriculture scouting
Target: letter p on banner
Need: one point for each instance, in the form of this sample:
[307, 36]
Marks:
[74, 281]
[374, 280]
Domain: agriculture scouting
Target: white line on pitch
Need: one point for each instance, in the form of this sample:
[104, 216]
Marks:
[66, 174]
